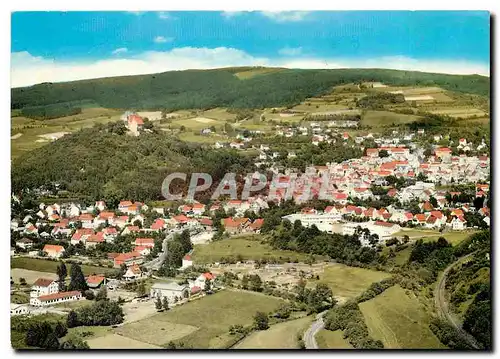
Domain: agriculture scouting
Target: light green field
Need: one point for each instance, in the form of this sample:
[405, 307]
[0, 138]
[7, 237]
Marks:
[348, 282]
[453, 237]
[328, 339]
[399, 321]
[43, 265]
[245, 75]
[32, 129]
[197, 138]
[247, 247]
[279, 336]
[212, 315]
[197, 123]
[385, 118]
[460, 112]
[219, 113]
[115, 341]
[87, 333]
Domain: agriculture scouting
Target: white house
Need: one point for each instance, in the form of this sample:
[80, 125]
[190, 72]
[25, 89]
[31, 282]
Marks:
[24, 243]
[186, 261]
[458, 223]
[200, 281]
[43, 286]
[19, 309]
[169, 290]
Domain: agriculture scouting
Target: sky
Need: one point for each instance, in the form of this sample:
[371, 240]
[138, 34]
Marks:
[66, 46]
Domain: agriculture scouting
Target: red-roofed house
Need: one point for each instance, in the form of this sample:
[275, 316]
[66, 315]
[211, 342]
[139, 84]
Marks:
[142, 250]
[200, 281]
[234, 225]
[94, 240]
[128, 259]
[131, 229]
[135, 123]
[95, 281]
[146, 242]
[187, 261]
[158, 224]
[133, 272]
[55, 298]
[53, 250]
[43, 286]
[256, 225]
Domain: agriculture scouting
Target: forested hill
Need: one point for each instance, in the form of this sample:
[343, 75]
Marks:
[104, 163]
[223, 88]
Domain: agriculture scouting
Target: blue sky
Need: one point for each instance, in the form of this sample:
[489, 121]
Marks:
[60, 46]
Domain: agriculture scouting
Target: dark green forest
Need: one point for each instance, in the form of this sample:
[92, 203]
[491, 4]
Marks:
[221, 88]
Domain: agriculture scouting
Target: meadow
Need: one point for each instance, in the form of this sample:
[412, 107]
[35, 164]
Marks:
[246, 248]
[399, 321]
[204, 323]
[327, 339]
[279, 336]
[348, 282]
[44, 265]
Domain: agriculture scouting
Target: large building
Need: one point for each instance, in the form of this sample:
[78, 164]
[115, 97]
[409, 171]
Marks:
[169, 290]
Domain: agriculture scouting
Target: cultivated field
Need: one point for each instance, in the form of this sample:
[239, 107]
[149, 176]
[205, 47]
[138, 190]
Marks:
[328, 339]
[43, 265]
[279, 336]
[399, 321]
[115, 341]
[348, 282]
[30, 275]
[211, 315]
[246, 247]
[385, 118]
[31, 130]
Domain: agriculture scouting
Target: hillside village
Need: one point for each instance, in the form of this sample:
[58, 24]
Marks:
[392, 187]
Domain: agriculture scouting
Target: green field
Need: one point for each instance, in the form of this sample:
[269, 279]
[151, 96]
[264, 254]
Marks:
[328, 339]
[399, 321]
[453, 237]
[385, 118]
[279, 336]
[44, 265]
[246, 247]
[31, 130]
[205, 322]
[348, 282]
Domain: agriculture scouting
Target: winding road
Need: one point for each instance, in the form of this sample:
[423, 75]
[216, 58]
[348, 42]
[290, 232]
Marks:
[310, 334]
[442, 305]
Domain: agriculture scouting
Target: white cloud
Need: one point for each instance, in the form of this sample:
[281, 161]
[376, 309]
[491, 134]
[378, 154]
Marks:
[120, 50]
[164, 15]
[28, 70]
[286, 16]
[162, 39]
[290, 51]
[230, 14]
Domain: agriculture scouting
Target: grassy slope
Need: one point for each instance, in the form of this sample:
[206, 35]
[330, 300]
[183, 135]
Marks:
[349, 282]
[213, 315]
[398, 321]
[249, 249]
[279, 336]
[327, 339]
[43, 265]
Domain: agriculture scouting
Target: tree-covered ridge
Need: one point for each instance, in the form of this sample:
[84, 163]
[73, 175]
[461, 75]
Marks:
[99, 163]
[221, 88]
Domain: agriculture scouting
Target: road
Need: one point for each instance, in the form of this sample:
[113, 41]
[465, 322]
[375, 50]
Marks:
[310, 334]
[156, 263]
[442, 305]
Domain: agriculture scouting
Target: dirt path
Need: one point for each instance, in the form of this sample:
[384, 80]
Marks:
[442, 305]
